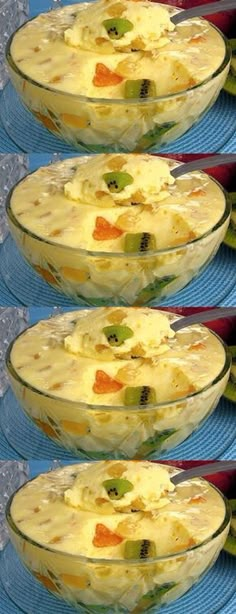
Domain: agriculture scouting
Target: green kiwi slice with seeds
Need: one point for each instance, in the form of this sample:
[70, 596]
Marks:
[117, 181]
[117, 334]
[139, 395]
[153, 136]
[117, 487]
[140, 88]
[139, 242]
[139, 549]
[117, 27]
[153, 290]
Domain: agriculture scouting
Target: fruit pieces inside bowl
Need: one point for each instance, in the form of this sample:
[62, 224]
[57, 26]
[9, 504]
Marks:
[94, 534]
[147, 235]
[99, 382]
[120, 86]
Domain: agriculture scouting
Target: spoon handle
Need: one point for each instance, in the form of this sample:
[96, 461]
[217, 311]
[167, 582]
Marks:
[201, 470]
[206, 9]
[198, 165]
[204, 316]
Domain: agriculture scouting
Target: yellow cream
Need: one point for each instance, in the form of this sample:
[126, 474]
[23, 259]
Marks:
[48, 512]
[191, 53]
[148, 330]
[148, 22]
[149, 484]
[149, 178]
[51, 203]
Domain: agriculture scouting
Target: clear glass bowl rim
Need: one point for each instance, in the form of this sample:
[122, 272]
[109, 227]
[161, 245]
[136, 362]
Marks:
[115, 408]
[126, 256]
[117, 101]
[102, 561]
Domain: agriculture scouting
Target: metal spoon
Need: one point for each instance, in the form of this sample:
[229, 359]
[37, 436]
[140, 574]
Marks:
[200, 11]
[203, 316]
[198, 165]
[201, 470]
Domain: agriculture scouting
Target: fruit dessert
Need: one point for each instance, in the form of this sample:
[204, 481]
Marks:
[117, 75]
[117, 382]
[90, 533]
[230, 84]
[118, 229]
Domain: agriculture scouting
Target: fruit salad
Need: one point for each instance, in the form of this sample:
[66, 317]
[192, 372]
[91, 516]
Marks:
[117, 382]
[117, 228]
[91, 534]
[117, 75]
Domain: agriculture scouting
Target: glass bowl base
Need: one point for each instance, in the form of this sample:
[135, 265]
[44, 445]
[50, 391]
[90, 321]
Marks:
[210, 441]
[210, 288]
[215, 589]
[215, 129]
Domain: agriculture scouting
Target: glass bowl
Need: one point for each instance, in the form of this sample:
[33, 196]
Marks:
[104, 431]
[107, 278]
[107, 586]
[116, 125]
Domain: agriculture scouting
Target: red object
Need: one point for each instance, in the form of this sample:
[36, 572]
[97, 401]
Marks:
[225, 481]
[224, 20]
[224, 173]
[225, 328]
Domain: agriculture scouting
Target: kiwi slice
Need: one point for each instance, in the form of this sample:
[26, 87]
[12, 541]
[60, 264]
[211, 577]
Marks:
[153, 290]
[139, 549]
[230, 237]
[152, 444]
[230, 390]
[117, 334]
[139, 242]
[140, 88]
[230, 544]
[153, 597]
[117, 487]
[117, 27]
[139, 395]
[117, 181]
[153, 136]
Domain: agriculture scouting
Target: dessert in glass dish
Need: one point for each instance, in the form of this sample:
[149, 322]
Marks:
[90, 533]
[117, 382]
[118, 228]
[117, 75]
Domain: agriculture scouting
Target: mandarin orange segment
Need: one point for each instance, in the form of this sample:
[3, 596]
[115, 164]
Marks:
[104, 230]
[104, 383]
[81, 582]
[46, 428]
[104, 76]
[47, 275]
[197, 346]
[46, 121]
[46, 582]
[75, 428]
[197, 499]
[75, 274]
[75, 121]
[105, 537]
